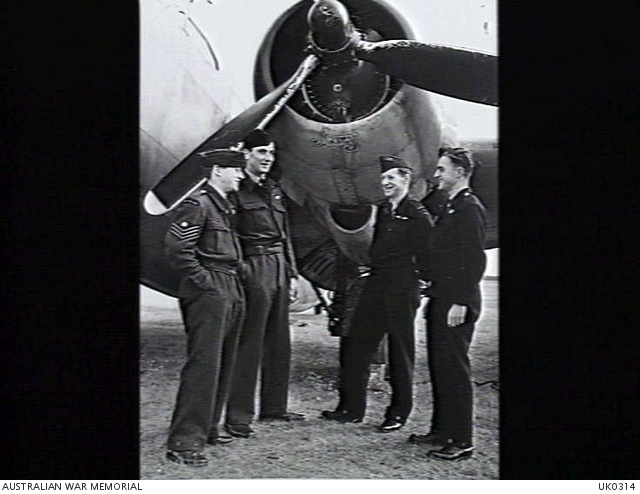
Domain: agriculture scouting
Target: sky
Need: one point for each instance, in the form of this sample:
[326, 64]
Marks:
[235, 29]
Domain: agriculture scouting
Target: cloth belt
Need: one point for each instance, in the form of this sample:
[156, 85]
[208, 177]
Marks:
[261, 250]
[385, 269]
[222, 267]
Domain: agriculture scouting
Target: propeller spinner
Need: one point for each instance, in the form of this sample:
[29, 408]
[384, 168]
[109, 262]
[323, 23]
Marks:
[330, 26]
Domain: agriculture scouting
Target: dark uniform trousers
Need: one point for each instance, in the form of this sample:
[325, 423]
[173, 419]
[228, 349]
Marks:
[387, 305]
[455, 264]
[212, 320]
[203, 247]
[380, 311]
[265, 341]
[450, 370]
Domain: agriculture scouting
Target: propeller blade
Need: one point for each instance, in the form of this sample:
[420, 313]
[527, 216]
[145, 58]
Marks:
[186, 176]
[456, 72]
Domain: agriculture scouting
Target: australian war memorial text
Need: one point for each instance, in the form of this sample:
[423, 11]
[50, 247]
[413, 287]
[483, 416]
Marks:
[71, 486]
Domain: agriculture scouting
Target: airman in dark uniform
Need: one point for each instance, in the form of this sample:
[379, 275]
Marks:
[202, 245]
[454, 264]
[265, 343]
[388, 303]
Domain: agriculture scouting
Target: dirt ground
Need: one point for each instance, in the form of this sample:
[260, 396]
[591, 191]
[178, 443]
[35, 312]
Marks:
[315, 448]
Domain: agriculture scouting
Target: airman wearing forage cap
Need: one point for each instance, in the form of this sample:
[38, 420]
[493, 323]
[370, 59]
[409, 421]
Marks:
[202, 245]
[388, 302]
[388, 162]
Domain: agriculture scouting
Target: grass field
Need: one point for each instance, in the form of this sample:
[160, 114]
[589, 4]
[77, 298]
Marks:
[315, 448]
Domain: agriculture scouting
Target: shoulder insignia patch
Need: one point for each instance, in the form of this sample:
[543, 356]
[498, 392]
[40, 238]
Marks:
[467, 200]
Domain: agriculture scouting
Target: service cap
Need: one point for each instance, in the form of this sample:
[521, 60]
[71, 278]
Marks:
[389, 162]
[225, 158]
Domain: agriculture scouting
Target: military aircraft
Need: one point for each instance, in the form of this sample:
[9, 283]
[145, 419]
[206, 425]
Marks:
[338, 83]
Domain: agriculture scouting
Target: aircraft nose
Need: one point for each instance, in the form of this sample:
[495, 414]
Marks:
[329, 21]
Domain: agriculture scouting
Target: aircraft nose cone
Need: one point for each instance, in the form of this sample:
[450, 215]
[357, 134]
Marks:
[329, 21]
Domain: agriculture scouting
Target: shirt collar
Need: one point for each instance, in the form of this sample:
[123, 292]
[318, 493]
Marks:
[253, 181]
[401, 205]
[218, 199]
[252, 177]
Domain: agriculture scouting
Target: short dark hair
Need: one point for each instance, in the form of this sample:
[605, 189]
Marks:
[459, 156]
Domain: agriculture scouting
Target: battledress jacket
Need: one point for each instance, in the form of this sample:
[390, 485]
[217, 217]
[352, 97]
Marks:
[261, 218]
[201, 237]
